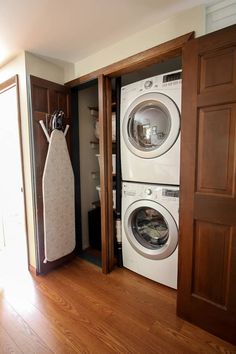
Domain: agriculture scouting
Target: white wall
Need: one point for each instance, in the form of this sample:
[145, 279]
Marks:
[17, 66]
[220, 15]
[182, 23]
[39, 67]
[49, 69]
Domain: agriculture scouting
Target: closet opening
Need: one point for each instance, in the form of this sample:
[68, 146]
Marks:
[87, 172]
[111, 79]
[87, 156]
[91, 145]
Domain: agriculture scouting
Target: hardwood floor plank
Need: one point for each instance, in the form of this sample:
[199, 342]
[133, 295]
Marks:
[128, 295]
[56, 340]
[77, 309]
[110, 318]
[76, 328]
[25, 338]
[82, 316]
[7, 344]
[88, 286]
[214, 343]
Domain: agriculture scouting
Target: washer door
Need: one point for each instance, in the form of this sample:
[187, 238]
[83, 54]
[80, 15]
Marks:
[151, 229]
[151, 125]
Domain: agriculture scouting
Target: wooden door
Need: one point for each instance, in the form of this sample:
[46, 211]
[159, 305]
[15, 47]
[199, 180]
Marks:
[46, 97]
[207, 259]
[105, 150]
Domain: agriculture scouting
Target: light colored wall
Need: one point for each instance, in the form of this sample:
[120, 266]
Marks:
[182, 23]
[39, 67]
[17, 66]
[220, 15]
[88, 160]
[49, 69]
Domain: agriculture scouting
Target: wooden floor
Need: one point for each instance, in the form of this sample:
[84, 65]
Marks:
[77, 309]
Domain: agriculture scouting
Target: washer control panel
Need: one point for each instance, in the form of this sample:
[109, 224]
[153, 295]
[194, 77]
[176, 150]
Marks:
[171, 80]
[151, 192]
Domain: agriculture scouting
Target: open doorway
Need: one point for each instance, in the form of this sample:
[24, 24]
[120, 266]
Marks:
[13, 246]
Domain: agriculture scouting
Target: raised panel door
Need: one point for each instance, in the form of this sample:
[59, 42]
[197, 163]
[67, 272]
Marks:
[207, 259]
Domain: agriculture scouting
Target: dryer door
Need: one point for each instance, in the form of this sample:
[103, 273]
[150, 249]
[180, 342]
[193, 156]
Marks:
[151, 229]
[151, 125]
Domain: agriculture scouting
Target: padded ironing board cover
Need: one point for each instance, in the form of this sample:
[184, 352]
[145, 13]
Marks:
[58, 199]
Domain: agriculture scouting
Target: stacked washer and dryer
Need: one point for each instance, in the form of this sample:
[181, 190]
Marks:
[150, 162]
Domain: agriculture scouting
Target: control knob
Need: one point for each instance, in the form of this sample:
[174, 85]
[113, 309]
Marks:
[148, 84]
[148, 191]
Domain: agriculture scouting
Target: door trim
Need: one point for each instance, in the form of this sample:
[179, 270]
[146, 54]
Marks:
[105, 151]
[4, 86]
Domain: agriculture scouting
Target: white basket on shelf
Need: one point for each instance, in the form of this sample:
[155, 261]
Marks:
[97, 128]
[98, 188]
[113, 162]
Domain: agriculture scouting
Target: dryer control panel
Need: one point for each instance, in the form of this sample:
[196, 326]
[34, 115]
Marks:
[150, 191]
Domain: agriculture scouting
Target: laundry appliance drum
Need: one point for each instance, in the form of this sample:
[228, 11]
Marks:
[151, 229]
[151, 125]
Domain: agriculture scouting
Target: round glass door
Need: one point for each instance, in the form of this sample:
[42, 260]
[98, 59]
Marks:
[151, 125]
[151, 229]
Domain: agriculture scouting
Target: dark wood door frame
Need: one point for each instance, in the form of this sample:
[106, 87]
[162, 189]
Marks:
[167, 50]
[105, 150]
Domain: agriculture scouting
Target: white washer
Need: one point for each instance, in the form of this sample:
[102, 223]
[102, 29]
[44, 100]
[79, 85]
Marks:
[150, 216]
[150, 129]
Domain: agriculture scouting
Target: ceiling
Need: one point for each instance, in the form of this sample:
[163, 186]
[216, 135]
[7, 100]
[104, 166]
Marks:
[70, 30]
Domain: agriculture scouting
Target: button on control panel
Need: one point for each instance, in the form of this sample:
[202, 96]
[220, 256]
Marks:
[148, 191]
[148, 84]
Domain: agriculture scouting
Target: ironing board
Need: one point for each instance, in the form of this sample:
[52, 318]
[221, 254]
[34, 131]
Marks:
[58, 199]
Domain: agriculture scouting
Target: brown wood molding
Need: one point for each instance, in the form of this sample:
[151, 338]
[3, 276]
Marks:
[137, 61]
[110, 239]
[32, 270]
[8, 83]
[103, 171]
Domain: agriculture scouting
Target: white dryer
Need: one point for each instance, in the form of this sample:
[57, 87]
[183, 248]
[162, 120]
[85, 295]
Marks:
[150, 215]
[150, 129]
